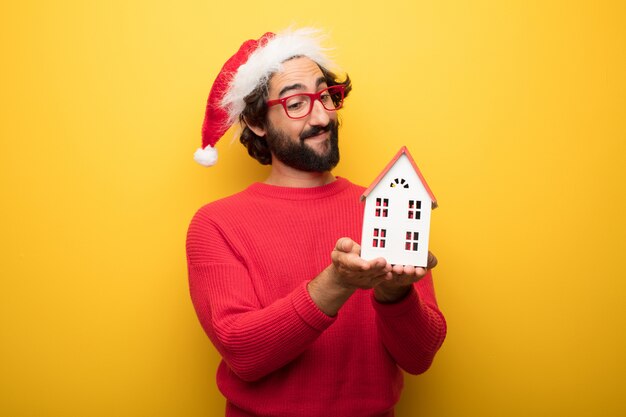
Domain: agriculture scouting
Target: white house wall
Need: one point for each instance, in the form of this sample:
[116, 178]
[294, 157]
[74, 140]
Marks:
[397, 223]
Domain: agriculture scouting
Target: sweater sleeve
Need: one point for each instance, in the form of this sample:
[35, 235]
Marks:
[253, 340]
[413, 329]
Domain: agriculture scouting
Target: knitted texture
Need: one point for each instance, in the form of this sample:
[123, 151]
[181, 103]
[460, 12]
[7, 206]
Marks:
[250, 257]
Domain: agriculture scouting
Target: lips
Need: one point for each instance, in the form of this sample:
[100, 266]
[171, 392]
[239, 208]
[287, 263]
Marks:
[321, 136]
[314, 132]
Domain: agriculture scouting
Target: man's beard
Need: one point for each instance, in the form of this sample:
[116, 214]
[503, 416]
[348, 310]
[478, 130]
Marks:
[300, 155]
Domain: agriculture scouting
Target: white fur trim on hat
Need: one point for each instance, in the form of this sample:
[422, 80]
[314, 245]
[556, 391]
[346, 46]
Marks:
[268, 59]
[206, 157]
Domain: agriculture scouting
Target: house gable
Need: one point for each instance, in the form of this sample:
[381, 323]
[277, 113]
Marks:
[403, 151]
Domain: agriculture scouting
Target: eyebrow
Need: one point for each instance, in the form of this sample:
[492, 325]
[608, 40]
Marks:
[299, 86]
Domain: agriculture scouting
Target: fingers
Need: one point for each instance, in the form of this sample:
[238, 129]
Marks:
[408, 270]
[380, 263]
[347, 260]
[407, 273]
[347, 245]
[344, 244]
[403, 269]
[432, 261]
[354, 271]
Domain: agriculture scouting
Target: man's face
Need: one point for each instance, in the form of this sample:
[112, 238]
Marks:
[310, 143]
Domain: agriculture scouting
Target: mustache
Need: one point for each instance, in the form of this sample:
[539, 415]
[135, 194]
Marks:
[316, 130]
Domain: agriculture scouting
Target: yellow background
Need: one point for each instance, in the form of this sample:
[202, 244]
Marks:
[514, 110]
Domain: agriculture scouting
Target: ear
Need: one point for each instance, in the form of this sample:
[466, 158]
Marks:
[258, 130]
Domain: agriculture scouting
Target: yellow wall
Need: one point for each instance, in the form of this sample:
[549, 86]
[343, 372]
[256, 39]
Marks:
[514, 110]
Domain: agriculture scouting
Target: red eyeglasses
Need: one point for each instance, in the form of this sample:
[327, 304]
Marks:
[300, 105]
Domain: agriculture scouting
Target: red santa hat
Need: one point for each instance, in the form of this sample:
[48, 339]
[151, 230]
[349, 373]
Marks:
[251, 66]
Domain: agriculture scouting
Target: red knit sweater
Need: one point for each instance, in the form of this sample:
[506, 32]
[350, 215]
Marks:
[250, 257]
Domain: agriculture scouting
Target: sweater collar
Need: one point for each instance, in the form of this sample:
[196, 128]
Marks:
[292, 193]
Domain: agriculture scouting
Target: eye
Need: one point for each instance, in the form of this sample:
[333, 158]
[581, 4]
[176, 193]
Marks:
[325, 97]
[295, 106]
[296, 102]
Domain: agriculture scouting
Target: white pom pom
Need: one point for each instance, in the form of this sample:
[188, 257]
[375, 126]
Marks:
[206, 157]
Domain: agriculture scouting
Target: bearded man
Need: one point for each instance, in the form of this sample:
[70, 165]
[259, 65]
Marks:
[304, 325]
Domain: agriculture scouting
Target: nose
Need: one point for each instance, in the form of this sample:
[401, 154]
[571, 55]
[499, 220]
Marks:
[319, 115]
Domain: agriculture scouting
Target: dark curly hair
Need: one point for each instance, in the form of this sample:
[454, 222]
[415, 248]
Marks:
[255, 113]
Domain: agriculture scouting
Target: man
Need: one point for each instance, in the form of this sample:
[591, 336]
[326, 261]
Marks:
[305, 326]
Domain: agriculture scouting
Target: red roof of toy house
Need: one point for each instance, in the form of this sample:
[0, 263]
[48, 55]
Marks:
[405, 151]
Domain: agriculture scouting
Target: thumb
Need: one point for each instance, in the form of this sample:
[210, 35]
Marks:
[432, 261]
[345, 244]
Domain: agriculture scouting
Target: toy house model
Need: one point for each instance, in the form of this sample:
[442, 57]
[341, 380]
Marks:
[396, 222]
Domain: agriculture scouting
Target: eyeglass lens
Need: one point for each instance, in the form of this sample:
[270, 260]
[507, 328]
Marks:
[301, 105]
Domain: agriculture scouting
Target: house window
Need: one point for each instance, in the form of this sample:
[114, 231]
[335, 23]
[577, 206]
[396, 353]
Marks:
[411, 241]
[382, 207]
[380, 235]
[399, 182]
[415, 207]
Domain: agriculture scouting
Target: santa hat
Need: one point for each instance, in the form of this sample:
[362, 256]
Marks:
[251, 66]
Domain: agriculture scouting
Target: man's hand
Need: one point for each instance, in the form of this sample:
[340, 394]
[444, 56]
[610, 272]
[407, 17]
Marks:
[352, 271]
[347, 272]
[398, 283]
